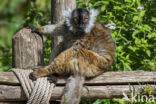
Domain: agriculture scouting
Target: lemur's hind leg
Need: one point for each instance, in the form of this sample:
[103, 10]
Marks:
[58, 66]
[82, 62]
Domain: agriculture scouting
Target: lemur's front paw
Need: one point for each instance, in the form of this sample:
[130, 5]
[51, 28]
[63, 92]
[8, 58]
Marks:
[32, 76]
[52, 79]
[33, 29]
[42, 72]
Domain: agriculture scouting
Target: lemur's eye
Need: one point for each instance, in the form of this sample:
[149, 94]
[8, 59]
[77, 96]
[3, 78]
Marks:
[75, 19]
[85, 20]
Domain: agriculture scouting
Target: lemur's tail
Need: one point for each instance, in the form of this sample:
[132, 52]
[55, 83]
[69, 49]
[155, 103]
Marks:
[73, 89]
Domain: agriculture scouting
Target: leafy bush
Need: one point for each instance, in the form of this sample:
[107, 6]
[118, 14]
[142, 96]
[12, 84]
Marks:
[17, 14]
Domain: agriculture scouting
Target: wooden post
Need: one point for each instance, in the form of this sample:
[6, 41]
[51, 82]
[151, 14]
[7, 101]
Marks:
[58, 6]
[27, 49]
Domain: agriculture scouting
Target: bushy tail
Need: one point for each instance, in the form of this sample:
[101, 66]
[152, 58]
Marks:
[73, 89]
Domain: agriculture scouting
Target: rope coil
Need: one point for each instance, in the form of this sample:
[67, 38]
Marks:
[37, 92]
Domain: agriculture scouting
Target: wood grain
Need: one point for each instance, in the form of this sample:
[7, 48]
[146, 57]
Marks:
[27, 49]
[107, 78]
[15, 93]
[107, 85]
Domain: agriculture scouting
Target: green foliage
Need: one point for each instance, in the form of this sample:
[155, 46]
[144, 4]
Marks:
[36, 17]
[47, 50]
[10, 23]
[17, 14]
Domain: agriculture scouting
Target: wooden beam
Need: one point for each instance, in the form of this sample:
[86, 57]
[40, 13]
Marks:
[107, 85]
[15, 93]
[107, 78]
[12, 102]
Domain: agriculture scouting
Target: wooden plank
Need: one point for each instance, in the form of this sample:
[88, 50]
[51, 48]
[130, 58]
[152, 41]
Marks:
[8, 78]
[52, 102]
[15, 93]
[107, 78]
[12, 102]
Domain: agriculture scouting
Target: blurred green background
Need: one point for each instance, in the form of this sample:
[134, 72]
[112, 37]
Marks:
[131, 22]
[14, 15]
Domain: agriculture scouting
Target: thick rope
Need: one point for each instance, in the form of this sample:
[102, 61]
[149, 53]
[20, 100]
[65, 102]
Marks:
[37, 92]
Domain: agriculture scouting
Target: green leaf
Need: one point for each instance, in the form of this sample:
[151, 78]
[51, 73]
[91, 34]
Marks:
[103, 8]
[138, 2]
[135, 18]
[117, 7]
[153, 19]
[148, 52]
[127, 67]
[40, 13]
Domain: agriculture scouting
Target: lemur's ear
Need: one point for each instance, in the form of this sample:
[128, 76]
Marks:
[67, 13]
[94, 12]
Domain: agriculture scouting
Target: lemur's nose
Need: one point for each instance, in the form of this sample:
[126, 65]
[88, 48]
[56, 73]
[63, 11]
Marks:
[82, 26]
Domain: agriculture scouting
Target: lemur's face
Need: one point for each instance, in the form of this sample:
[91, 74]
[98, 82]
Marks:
[80, 18]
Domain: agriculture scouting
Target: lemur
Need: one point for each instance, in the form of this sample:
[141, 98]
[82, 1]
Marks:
[87, 51]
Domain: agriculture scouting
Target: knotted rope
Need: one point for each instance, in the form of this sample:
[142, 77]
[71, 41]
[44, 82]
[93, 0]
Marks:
[37, 92]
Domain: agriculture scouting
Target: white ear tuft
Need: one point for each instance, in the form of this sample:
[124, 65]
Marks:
[67, 13]
[94, 12]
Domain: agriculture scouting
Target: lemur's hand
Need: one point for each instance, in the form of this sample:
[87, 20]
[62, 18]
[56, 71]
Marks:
[38, 73]
[33, 29]
[32, 76]
[52, 79]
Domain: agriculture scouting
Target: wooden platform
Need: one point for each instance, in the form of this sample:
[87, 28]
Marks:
[107, 85]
